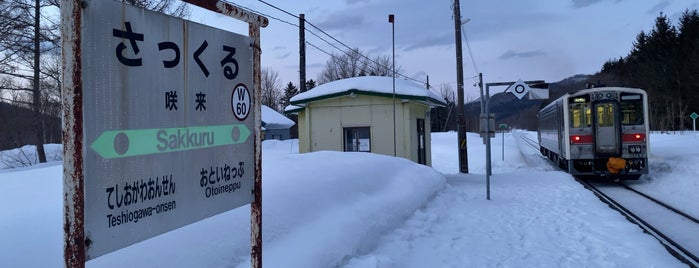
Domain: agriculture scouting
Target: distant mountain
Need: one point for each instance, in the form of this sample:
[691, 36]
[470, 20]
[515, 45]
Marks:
[521, 113]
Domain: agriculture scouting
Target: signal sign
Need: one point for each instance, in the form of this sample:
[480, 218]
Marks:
[519, 88]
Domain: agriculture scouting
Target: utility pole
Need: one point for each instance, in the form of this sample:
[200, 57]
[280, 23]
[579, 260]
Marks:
[302, 53]
[460, 118]
[393, 42]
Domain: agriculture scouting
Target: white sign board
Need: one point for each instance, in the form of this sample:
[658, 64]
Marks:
[519, 88]
[168, 124]
[538, 93]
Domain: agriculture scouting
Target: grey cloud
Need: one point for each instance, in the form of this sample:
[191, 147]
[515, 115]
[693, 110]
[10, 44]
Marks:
[339, 21]
[377, 50]
[586, 3]
[445, 39]
[659, 7]
[315, 65]
[352, 2]
[295, 67]
[524, 54]
[283, 56]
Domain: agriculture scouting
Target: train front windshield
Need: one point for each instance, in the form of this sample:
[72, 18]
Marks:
[631, 109]
[580, 112]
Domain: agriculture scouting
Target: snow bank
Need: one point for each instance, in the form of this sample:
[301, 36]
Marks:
[338, 204]
[319, 209]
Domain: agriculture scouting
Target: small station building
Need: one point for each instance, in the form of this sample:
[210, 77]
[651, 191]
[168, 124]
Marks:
[362, 114]
[275, 126]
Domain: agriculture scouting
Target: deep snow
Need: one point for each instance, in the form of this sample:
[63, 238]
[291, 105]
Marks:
[331, 209]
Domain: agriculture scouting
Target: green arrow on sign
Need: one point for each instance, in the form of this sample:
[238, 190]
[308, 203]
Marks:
[126, 143]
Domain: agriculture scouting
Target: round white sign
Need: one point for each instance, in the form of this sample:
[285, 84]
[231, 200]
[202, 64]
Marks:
[241, 102]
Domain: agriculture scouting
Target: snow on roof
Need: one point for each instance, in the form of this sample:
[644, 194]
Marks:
[373, 85]
[274, 120]
[290, 109]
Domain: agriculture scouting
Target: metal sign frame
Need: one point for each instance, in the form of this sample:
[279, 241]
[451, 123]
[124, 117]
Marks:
[73, 129]
[485, 108]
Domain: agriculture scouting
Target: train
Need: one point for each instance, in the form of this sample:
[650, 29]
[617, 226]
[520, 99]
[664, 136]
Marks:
[598, 132]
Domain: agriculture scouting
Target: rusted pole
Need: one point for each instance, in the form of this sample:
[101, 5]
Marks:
[256, 206]
[73, 191]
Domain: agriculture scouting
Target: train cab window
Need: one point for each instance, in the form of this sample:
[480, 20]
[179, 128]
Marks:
[631, 109]
[580, 115]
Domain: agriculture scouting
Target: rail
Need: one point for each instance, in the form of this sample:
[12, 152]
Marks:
[532, 143]
[672, 246]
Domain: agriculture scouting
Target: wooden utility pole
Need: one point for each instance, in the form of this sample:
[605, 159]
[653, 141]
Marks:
[302, 53]
[460, 118]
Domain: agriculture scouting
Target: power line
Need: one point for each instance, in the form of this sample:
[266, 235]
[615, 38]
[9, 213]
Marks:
[326, 41]
[336, 40]
[468, 45]
[277, 8]
[362, 55]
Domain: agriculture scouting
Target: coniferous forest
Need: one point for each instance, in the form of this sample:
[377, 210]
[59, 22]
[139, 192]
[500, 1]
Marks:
[664, 62]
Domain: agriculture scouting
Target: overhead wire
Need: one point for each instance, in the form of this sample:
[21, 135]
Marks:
[336, 40]
[468, 45]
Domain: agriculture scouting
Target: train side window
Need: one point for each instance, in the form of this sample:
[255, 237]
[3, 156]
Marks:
[631, 109]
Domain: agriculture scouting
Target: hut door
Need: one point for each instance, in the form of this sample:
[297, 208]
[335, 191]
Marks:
[421, 154]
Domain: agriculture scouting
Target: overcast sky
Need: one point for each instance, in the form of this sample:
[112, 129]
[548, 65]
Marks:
[528, 39]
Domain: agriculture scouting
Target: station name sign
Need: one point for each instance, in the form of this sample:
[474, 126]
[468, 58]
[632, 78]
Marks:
[168, 123]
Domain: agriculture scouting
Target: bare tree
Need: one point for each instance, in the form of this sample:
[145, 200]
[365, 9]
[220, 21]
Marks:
[271, 88]
[447, 92]
[381, 65]
[30, 31]
[163, 6]
[353, 64]
[24, 35]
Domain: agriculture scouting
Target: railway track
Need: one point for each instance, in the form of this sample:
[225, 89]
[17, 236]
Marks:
[530, 142]
[673, 228]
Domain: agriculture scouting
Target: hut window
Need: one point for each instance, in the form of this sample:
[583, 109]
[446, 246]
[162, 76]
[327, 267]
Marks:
[357, 139]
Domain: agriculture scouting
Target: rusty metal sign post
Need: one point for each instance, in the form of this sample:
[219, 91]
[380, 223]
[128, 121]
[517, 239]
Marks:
[73, 186]
[82, 145]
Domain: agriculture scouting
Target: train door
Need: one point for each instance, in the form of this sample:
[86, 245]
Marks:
[607, 129]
